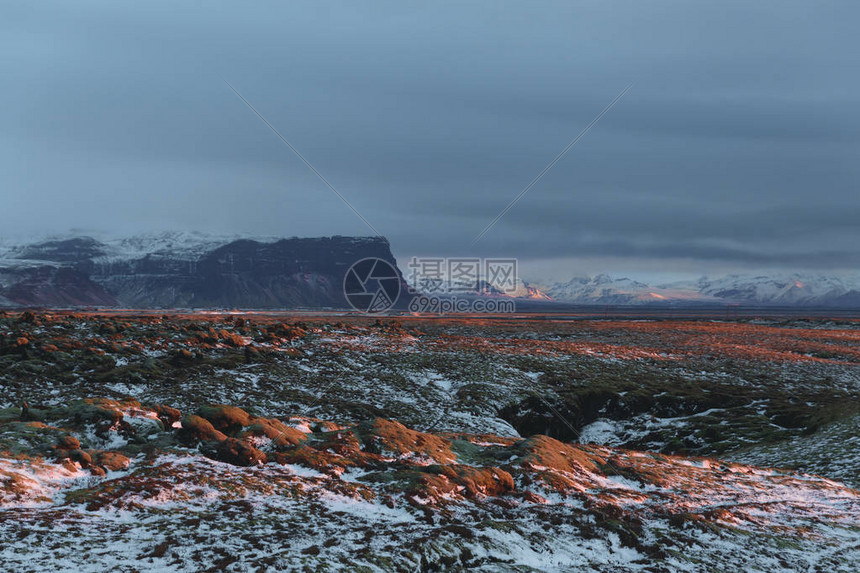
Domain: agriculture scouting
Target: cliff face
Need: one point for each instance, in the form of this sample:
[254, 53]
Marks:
[244, 273]
[53, 286]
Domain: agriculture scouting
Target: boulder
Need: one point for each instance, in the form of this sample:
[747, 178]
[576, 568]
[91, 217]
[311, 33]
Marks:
[167, 415]
[197, 429]
[229, 419]
[281, 434]
[390, 437]
[82, 457]
[112, 461]
[239, 453]
[68, 442]
[96, 411]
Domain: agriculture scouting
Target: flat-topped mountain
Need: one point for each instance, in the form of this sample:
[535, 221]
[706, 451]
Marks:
[185, 270]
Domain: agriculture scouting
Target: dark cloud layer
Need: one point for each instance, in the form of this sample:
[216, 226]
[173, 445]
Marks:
[737, 144]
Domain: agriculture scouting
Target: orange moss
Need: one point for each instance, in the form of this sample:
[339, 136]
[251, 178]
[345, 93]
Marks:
[397, 438]
[543, 452]
[312, 458]
[200, 429]
[275, 430]
[477, 481]
[113, 461]
[225, 418]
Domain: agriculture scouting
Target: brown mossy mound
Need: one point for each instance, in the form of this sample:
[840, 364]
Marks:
[389, 436]
[100, 411]
[312, 458]
[167, 415]
[107, 403]
[113, 461]
[325, 426]
[68, 442]
[286, 331]
[476, 481]
[431, 489]
[239, 453]
[221, 336]
[543, 452]
[346, 444]
[228, 419]
[82, 457]
[481, 438]
[232, 339]
[280, 434]
[182, 357]
[198, 429]
[558, 464]
[437, 484]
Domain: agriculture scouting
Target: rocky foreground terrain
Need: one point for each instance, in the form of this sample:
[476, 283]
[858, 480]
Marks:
[255, 442]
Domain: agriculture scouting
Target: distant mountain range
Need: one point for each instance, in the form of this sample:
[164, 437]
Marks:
[192, 270]
[777, 290]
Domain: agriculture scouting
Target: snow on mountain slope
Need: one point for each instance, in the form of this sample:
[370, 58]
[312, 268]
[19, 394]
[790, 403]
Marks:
[523, 290]
[110, 256]
[185, 270]
[529, 291]
[603, 289]
[790, 289]
[777, 289]
[482, 287]
[185, 245]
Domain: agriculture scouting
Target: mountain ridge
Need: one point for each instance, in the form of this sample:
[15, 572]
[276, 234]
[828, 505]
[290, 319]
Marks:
[783, 289]
[196, 270]
[185, 271]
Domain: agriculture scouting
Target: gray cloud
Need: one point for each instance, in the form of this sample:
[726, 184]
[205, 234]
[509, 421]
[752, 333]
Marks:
[737, 145]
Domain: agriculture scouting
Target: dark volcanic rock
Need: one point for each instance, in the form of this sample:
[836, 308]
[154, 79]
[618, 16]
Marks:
[239, 453]
[55, 286]
[197, 429]
[228, 419]
[245, 274]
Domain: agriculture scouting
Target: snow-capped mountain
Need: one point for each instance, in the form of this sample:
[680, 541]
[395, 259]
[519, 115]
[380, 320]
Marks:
[795, 289]
[479, 288]
[603, 289]
[523, 290]
[528, 291]
[184, 245]
[788, 290]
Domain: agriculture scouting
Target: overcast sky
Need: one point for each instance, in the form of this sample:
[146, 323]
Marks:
[736, 148]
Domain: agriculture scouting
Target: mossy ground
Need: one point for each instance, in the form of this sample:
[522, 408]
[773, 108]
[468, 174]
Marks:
[453, 397]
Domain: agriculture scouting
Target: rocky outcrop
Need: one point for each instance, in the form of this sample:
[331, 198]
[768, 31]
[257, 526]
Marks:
[53, 286]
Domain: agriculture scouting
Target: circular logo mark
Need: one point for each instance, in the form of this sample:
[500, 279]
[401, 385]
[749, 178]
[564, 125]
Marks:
[371, 285]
